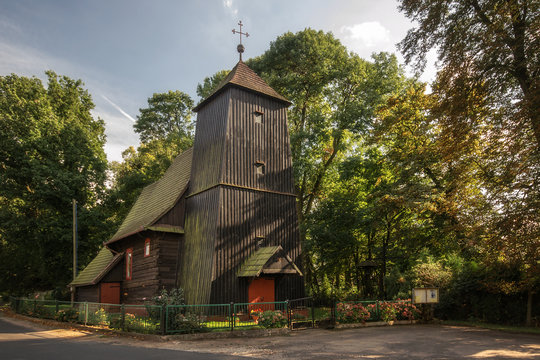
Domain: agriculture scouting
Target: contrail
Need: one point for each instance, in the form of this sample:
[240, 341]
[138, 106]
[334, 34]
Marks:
[119, 108]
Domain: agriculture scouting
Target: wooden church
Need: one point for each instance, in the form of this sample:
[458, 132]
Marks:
[221, 223]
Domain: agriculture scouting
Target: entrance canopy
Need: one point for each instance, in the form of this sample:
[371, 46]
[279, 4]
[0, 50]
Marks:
[270, 260]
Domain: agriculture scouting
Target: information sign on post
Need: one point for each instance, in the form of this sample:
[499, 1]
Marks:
[425, 295]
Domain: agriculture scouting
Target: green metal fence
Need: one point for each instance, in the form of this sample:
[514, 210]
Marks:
[135, 318]
[176, 319]
[154, 319]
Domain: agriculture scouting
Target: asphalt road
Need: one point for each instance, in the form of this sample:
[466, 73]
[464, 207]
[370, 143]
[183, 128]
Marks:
[18, 342]
[22, 340]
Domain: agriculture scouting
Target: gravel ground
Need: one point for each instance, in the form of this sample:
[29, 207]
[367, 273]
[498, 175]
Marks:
[388, 342]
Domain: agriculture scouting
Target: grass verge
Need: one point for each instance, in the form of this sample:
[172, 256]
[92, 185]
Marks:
[514, 329]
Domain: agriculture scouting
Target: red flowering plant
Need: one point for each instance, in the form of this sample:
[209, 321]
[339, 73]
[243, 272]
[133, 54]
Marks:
[406, 310]
[351, 313]
[388, 311]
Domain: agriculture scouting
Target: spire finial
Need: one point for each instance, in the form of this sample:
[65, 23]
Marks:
[240, 47]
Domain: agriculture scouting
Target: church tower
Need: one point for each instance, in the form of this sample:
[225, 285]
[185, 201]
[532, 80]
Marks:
[242, 241]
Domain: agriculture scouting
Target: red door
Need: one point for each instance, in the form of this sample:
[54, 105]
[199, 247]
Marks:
[262, 290]
[110, 293]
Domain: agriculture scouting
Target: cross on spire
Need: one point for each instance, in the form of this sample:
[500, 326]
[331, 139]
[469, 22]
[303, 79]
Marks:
[240, 47]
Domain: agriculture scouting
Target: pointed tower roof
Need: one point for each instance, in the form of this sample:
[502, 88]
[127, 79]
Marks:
[242, 76]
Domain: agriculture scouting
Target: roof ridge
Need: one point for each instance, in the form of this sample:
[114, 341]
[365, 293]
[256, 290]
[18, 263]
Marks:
[243, 76]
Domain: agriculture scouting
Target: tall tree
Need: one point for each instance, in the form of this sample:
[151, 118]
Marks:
[166, 113]
[488, 108]
[492, 43]
[210, 83]
[51, 151]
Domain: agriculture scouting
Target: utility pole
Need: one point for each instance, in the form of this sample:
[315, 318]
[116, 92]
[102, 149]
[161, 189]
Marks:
[75, 246]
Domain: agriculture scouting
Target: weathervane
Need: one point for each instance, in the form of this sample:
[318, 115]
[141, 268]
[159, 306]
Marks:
[240, 47]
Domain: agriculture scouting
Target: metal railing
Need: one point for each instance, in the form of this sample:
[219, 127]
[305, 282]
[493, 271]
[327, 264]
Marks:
[177, 319]
[155, 319]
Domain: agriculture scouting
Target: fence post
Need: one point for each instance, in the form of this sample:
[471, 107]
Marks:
[163, 318]
[56, 306]
[85, 313]
[288, 312]
[123, 318]
[35, 306]
[231, 315]
[378, 312]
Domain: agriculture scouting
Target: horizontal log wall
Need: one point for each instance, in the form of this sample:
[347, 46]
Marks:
[87, 293]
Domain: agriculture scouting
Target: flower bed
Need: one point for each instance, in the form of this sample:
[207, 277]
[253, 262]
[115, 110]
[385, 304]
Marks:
[356, 312]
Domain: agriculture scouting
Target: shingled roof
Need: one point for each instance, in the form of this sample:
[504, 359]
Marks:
[256, 263]
[157, 198]
[242, 76]
[99, 267]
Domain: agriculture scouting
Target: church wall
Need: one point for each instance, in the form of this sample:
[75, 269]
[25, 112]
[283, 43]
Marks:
[87, 293]
[176, 215]
[246, 217]
[168, 259]
[200, 233]
[209, 142]
[144, 282]
[249, 142]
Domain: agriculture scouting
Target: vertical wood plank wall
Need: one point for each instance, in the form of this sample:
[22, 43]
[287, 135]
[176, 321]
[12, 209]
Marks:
[222, 222]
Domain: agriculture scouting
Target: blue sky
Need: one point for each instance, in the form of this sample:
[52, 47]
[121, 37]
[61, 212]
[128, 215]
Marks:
[125, 50]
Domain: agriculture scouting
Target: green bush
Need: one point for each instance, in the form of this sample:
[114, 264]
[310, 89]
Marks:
[189, 323]
[272, 319]
[67, 315]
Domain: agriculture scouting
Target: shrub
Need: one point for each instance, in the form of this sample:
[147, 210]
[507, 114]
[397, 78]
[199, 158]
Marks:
[67, 315]
[352, 313]
[189, 323]
[388, 311]
[101, 317]
[272, 319]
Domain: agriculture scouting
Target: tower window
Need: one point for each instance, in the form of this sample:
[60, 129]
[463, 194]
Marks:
[259, 168]
[258, 117]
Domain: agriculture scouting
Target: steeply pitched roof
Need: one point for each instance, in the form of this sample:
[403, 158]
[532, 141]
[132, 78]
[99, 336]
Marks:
[99, 267]
[157, 198]
[242, 76]
[256, 263]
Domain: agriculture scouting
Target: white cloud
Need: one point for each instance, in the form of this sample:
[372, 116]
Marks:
[229, 5]
[370, 34]
[25, 61]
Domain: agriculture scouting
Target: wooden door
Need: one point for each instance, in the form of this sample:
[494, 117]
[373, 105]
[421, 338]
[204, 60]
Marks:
[110, 293]
[262, 290]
